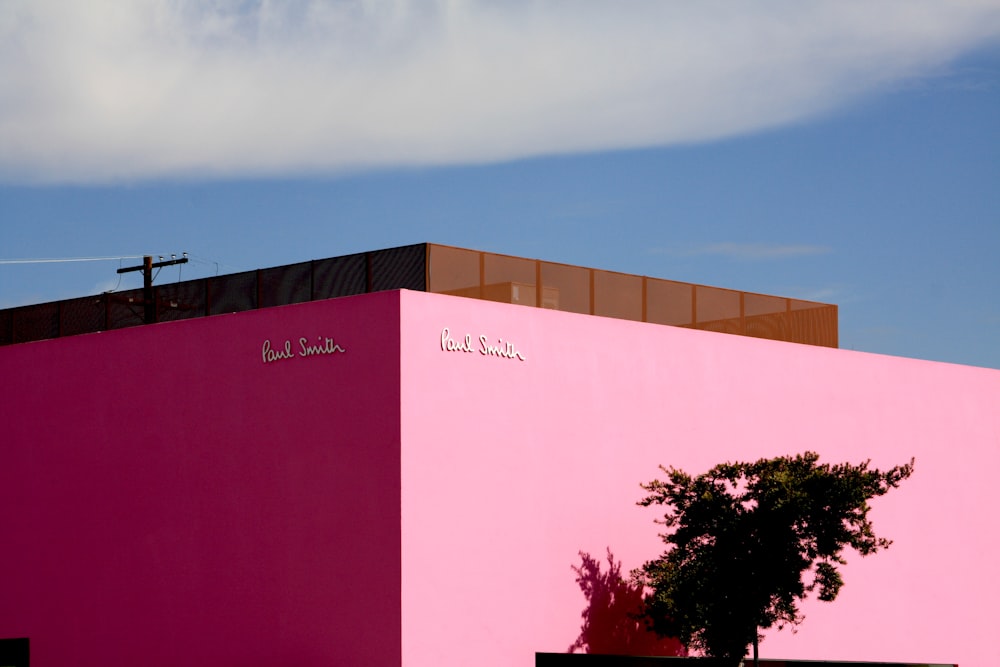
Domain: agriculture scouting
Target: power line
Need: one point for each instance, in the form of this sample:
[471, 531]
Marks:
[68, 259]
[118, 258]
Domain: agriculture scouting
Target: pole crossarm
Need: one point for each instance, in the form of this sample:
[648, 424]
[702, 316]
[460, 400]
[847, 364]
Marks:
[154, 265]
[147, 266]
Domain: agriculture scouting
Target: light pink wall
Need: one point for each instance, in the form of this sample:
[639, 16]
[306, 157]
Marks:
[510, 467]
[167, 498]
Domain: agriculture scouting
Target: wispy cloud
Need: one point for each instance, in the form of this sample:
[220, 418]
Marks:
[106, 90]
[748, 251]
[829, 294]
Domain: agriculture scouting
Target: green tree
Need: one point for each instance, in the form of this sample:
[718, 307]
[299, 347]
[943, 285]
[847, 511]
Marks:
[748, 541]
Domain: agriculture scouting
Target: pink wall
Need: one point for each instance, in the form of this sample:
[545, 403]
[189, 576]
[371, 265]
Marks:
[511, 467]
[168, 498]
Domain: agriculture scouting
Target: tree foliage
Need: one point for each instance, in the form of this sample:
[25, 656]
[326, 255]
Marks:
[748, 541]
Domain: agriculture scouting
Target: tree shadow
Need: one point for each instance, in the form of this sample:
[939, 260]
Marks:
[612, 619]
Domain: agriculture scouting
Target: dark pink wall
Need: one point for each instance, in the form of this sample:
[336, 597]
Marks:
[511, 467]
[168, 498]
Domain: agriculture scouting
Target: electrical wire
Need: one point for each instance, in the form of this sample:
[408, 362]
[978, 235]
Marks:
[115, 288]
[197, 259]
[60, 260]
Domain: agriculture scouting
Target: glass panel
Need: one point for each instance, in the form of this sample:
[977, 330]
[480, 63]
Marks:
[618, 295]
[454, 271]
[509, 279]
[565, 288]
[669, 302]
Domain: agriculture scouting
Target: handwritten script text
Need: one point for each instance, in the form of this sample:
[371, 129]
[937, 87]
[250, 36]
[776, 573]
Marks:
[504, 349]
[322, 345]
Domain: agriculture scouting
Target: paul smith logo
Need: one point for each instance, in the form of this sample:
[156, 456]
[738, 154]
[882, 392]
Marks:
[323, 345]
[503, 349]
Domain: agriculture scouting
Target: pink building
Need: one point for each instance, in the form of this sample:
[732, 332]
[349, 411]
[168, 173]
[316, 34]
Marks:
[407, 478]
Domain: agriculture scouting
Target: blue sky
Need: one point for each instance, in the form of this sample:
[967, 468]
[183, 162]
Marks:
[847, 152]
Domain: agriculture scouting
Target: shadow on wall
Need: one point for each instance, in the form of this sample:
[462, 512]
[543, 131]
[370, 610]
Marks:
[612, 622]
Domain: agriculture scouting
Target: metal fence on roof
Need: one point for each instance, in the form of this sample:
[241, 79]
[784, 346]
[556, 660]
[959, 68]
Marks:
[444, 270]
[530, 282]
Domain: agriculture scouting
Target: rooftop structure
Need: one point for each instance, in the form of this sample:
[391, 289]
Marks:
[429, 267]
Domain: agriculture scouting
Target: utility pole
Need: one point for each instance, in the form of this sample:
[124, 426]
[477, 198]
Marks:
[149, 305]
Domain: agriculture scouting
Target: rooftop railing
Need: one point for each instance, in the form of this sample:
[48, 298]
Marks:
[445, 270]
[530, 282]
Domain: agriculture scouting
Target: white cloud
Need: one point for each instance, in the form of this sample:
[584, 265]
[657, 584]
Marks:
[823, 295]
[96, 90]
